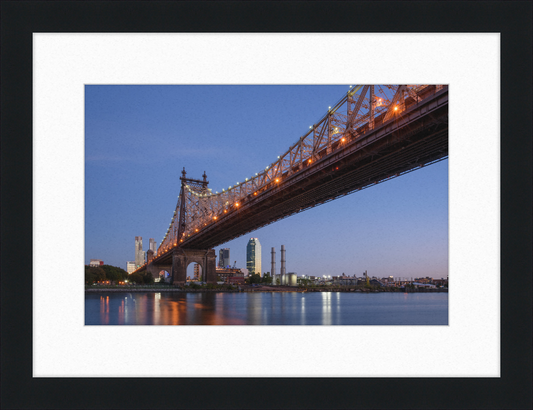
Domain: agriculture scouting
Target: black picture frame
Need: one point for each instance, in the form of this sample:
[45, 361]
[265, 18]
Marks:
[510, 18]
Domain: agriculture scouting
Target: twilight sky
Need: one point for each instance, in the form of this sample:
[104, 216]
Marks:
[139, 138]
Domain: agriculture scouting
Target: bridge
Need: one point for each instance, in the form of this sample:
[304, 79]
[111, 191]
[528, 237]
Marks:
[372, 134]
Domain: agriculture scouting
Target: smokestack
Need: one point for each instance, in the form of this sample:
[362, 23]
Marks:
[282, 278]
[273, 265]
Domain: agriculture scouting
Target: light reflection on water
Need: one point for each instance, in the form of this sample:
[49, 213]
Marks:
[266, 308]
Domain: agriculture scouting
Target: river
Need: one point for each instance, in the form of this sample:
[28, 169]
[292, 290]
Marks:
[266, 308]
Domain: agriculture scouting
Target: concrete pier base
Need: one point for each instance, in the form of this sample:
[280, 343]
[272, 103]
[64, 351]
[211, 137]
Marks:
[181, 258]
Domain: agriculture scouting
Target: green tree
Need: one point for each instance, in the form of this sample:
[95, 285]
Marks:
[135, 278]
[94, 274]
[255, 278]
[266, 278]
[148, 279]
[114, 273]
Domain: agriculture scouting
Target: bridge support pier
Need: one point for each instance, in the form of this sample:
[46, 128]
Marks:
[181, 258]
[154, 269]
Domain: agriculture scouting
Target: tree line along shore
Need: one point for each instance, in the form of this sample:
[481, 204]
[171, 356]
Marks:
[113, 279]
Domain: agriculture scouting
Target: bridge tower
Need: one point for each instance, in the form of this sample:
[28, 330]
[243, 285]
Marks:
[175, 258]
[181, 257]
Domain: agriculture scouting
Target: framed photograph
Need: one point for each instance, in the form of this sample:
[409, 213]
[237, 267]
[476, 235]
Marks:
[377, 257]
[68, 82]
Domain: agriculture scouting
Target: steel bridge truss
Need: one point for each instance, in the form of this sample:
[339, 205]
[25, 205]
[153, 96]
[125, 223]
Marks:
[361, 110]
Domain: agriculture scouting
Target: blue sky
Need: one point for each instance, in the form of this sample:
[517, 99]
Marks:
[139, 138]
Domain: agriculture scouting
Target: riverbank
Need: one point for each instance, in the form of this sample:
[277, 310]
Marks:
[162, 289]
[247, 288]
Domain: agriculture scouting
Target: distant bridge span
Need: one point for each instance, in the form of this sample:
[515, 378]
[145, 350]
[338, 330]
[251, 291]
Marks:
[383, 135]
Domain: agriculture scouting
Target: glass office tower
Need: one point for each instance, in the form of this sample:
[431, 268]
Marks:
[253, 256]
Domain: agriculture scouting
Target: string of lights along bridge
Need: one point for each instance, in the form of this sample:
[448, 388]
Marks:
[372, 134]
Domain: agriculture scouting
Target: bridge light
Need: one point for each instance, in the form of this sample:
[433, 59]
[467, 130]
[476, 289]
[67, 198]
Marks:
[309, 161]
[256, 174]
[236, 204]
[255, 193]
[395, 108]
[225, 210]
[277, 179]
[342, 139]
[215, 218]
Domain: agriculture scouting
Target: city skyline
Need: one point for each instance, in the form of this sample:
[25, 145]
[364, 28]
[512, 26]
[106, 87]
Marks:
[398, 228]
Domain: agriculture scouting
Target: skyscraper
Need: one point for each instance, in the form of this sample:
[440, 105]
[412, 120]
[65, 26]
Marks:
[139, 253]
[197, 272]
[152, 245]
[253, 256]
[223, 258]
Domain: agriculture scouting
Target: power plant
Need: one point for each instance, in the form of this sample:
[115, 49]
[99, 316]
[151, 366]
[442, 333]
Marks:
[284, 278]
[273, 265]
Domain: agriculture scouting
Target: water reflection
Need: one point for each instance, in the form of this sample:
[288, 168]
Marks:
[260, 308]
[326, 308]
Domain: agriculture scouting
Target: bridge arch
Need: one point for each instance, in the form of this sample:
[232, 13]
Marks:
[164, 275]
[182, 258]
[191, 270]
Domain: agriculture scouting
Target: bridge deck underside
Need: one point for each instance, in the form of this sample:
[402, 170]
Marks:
[419, 138]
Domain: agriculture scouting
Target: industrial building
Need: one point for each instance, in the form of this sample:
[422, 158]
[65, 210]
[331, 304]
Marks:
[230, 275]
[95, 262]
[224, 258]
[253, 256]
[197, 272]
[284, 278]
[273, 265]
